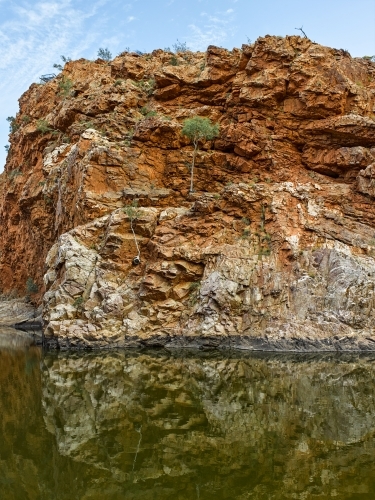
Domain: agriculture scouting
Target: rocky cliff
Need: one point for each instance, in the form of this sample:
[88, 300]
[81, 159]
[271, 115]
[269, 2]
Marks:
[274, 249]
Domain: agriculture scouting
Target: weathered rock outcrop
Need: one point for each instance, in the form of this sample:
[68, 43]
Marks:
[17, 311]
[274, 250]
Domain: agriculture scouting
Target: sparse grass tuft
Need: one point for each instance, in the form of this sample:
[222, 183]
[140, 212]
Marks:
[78, 303]
[43, 127]
[147, 86]
[65, 87]
[14, 173]
[147, 112]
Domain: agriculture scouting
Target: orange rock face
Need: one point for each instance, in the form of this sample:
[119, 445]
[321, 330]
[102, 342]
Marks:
[274, 249]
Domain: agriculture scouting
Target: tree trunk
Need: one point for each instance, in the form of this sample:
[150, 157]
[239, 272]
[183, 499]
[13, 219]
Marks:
[135, 238]
[192, 167]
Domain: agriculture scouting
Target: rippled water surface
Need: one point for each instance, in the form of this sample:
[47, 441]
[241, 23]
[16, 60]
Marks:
[186, 425]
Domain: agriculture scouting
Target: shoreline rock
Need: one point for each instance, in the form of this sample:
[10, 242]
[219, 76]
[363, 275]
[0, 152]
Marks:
[275, 248]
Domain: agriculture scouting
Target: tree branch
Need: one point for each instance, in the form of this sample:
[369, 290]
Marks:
[301, 29]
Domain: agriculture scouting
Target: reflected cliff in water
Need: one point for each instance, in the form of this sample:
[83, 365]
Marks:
[155, 425]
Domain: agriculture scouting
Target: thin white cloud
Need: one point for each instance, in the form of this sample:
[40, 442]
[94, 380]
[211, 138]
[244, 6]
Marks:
[130, 19]
[214, 30]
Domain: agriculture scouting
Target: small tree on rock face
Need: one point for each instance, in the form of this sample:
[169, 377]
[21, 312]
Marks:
[198, 129]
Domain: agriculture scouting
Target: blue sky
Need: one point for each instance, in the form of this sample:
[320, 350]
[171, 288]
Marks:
[33, 34]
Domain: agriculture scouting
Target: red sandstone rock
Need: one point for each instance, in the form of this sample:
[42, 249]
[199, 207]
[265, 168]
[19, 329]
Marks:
[275, 245]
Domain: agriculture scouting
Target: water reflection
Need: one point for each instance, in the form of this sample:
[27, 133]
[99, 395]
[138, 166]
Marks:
[155, 425]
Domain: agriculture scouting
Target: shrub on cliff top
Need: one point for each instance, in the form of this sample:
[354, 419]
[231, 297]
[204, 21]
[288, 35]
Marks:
[13, 126]
[104, 54]
[180, 46]
[64, 59]
[198, 129]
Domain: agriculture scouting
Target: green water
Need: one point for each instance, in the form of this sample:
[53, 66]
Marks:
[186, 425]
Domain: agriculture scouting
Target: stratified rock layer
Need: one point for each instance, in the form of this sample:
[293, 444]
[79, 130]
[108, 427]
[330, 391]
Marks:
[274, 249]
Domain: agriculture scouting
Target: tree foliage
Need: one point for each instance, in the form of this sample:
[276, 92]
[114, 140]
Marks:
[200, 129]
[180, 46]
[104, 54]
[197, 130]
[64, 59]
[12, 124]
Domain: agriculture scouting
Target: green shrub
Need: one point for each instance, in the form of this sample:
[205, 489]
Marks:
[87, 124]
[132, 211]
[43, 127]
[264, 251]
[14, 173]
[104, 54]
[180, 46]
[145, 111]
[194, 289]
[125, 51]
[31, 286]
[65, 86]
[64, 60]
[173, 61]
[147, 86]
[195, 285]
[13, 126]
[78, 303]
